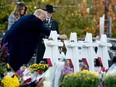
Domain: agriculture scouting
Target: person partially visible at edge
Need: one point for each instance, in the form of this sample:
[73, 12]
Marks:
[19, 11]
[23, 38]
[51, 24]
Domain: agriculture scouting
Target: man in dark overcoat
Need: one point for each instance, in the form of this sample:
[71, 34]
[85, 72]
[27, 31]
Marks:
[23, 37]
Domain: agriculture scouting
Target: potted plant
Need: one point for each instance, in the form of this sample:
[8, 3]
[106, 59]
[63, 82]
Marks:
[83, 78]
[110, 80]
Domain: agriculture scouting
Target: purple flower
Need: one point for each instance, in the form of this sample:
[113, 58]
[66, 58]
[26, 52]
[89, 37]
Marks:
[67, 70]
[19, 72]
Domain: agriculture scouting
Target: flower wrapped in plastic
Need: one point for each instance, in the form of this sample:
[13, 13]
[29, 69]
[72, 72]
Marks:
[25, 77]
[10, 82]
[49, 77]
[33, 74]
[9, 78]
[67, 69]
[58, 68]
[112, 69]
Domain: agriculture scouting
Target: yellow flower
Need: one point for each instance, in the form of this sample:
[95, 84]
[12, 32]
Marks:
[10, 82]
[8, 66]
[41, 67]
[83, 78]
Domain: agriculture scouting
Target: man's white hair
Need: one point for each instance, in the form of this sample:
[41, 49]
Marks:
[39, 11]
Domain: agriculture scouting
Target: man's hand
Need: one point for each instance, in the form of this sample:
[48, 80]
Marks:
[62, 37]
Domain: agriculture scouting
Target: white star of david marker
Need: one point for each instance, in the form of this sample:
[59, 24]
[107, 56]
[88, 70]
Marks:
[72, 51]
[88, 51]
[103, 51]
[52, 50]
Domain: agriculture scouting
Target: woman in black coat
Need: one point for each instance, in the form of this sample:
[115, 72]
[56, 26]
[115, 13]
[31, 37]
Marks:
[23, 37]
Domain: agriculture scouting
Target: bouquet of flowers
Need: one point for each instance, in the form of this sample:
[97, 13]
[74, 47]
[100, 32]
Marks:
[10, 81]
[25, 77]
[41, 68]
[67, 69]
[32, 74]
[8, 78]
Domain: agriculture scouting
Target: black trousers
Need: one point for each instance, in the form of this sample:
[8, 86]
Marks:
[40, 52]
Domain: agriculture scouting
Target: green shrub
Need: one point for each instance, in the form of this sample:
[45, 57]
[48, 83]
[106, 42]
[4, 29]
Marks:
[110, 80]
[81, 79]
